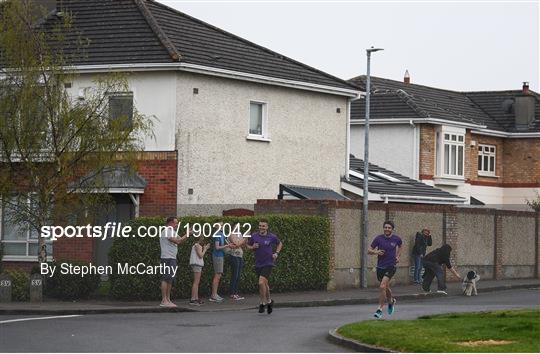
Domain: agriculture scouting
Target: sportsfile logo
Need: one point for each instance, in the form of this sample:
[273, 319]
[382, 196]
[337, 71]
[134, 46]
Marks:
[114, 230]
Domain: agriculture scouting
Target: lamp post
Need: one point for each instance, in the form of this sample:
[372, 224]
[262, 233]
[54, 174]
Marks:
[363, 244]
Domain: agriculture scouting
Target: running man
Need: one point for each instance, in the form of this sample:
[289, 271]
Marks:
[262, 242]
[387, 247]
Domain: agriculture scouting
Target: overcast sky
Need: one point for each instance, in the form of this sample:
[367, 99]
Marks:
[466, 46]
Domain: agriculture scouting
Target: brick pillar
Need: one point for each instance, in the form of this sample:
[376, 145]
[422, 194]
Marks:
[450, 234]
[497, 234]
[332, 256]
[537, 251]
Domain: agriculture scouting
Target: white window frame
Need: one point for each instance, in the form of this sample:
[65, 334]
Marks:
[487, 155]
[29, 240]
[454, 138]
[264, 136]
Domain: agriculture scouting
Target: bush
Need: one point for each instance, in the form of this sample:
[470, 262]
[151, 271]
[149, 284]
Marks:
[20, 285]
[303, 264]
[1, 256]
[70, 286]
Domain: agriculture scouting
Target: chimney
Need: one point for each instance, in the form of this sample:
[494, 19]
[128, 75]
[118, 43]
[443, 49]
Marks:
[525, 88]
[407, 77]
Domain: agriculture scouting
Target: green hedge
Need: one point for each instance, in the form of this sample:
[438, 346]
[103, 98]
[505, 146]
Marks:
[70, 286]
[20, 285]
[302, 265]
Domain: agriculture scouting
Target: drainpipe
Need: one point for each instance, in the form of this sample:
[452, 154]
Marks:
[416, 150]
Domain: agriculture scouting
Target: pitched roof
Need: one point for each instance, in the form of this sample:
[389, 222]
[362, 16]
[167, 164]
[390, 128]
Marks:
[389, 183]
[392, 99]
[145, 31]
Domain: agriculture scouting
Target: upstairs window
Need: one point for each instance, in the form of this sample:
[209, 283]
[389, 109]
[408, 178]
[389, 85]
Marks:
[486, 160]
[450, 152]
[453, 147]
[121, 109]
[258, 119]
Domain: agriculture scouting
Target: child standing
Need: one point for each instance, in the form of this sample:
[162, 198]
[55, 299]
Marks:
[196, 262]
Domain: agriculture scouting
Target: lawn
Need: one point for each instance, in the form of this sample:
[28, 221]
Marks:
[497, 331]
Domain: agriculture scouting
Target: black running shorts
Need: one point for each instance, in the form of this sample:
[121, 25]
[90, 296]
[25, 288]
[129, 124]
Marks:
[263, 271]
[385, 272]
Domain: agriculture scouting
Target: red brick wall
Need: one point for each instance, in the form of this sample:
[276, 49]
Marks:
[76, 248]
[427, 151]
[521, 159]
[160, 170]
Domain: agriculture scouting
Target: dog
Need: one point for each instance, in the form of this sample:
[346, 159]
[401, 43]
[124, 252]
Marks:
[469, 283]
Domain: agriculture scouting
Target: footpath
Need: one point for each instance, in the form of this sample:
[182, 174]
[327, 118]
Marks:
[294, 299]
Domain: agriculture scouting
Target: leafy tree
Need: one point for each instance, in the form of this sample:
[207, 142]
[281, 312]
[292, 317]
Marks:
[534, 203]
[49, 139]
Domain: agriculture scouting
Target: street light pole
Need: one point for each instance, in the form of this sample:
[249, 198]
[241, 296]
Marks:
[363, 244]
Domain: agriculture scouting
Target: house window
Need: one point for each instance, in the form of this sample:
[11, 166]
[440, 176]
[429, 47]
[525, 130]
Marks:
[453, 154]
[19, 240]
[121, 109]
[257, 119]
[486, 160]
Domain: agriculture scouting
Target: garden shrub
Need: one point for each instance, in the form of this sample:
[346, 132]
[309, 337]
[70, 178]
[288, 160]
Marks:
[302, 265]
[70, 286]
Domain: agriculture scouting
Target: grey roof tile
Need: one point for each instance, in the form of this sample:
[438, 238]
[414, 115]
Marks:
[145, 31]
[395, 99]
[406, 186]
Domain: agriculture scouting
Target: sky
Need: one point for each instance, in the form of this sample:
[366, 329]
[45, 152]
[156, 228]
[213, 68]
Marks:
[455, 45]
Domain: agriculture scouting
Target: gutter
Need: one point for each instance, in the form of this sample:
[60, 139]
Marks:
[475, 128]
[418, 120]
[207, 70]
[505, 134]
[400, 198]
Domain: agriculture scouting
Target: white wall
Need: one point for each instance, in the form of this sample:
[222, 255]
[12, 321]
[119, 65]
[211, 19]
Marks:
[308, 140]
[394, 147]
[154, 94]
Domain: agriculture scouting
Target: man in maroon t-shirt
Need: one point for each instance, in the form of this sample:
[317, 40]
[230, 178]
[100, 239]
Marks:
[262, 242]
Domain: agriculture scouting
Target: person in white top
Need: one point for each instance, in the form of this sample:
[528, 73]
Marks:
[196, 261]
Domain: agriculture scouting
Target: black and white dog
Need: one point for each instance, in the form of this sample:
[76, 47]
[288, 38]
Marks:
[469, 283]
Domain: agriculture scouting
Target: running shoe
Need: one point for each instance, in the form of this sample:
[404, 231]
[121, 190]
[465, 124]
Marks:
[216, 299]
[378, 314]
[237, 297]
[391, 306]
[261, 308]
[200, 301]
[194, 302]
[269, 307]
[442, 292]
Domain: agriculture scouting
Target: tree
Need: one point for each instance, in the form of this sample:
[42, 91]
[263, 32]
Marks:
[49, 139]
[534, 203]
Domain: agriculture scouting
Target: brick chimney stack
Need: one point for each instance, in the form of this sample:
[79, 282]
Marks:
[407, 77]
[525, 88]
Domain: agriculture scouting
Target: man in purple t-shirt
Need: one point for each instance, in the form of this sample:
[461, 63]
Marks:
[262, 242]
[387, 247]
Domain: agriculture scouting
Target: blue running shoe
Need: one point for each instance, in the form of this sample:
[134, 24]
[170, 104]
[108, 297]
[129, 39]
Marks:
[391, 306]
[378, 314]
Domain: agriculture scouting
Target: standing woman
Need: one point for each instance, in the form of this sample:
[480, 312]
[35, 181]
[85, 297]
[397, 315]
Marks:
[236, 258]
[421, 242]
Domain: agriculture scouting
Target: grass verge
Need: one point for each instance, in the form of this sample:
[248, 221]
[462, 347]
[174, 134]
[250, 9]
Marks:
[496, 331]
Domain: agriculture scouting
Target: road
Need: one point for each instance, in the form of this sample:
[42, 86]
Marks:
[286, 330]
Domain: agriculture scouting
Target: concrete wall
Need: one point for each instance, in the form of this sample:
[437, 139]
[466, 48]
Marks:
[347, 224]
[496, 244]
[518, 251]
[476, 243]
[394, 147]
[217, 162]
[408, 223]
